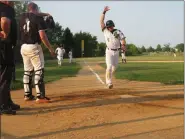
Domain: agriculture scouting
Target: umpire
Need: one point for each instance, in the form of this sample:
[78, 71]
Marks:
[8, 37]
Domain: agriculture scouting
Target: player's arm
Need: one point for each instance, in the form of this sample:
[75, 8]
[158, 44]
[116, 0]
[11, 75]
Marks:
[43, 14]
[46, 42]
[123, 41]
[56, 50]
[102, 18]
[42, 27]
[5, 26]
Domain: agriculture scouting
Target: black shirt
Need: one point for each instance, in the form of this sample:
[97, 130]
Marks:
[30, 24]
[6, 50]
[9, 12]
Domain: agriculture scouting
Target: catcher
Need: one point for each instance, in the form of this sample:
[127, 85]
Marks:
[32, 33]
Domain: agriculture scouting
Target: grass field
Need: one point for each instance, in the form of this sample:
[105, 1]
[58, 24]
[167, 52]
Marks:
[52, 72]
[166, 73]
[156, 57]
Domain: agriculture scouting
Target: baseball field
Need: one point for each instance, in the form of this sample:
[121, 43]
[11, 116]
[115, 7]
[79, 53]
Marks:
[147, 101]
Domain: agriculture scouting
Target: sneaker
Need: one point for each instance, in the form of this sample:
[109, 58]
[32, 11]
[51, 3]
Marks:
[15, 106]
[29, 97]
[43, 100]
[7, 111]
[110, 86]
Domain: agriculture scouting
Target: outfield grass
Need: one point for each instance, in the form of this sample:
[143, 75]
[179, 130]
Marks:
[166, 73]
[156, 57]
[52, 72]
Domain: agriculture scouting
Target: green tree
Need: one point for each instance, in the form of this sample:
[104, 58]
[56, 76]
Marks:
[180, 47]
[68, 40]
[150, 49]
[132, 50]
[55, 35]
[143, 49]
[166, 47]
[159, 48]
[90, 44]
[101, 49]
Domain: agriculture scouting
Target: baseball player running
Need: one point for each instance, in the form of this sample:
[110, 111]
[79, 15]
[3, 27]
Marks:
[113, 38]
[32, 32]
[60, 53]
[70, 54]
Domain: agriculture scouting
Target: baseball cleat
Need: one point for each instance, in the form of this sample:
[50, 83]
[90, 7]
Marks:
[29, 98]
[110, 86]
[43, 100]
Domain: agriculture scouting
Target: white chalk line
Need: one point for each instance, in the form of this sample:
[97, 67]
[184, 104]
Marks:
[97, 76]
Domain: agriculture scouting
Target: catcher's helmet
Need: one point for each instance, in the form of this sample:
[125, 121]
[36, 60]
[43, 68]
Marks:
[110, 23]
[49, 22]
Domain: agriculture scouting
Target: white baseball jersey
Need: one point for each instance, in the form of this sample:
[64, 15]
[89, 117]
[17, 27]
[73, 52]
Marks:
[70, 54]
[59, 51]
[113, 38]
[63, 51]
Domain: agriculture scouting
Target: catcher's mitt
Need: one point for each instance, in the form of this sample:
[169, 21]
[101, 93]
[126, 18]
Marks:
[49, 22]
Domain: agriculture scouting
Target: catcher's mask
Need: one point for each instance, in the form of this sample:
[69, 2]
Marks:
[49, 22]
[110, 23]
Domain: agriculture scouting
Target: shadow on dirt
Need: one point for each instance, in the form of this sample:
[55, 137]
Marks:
[99, 99]
[102, 125]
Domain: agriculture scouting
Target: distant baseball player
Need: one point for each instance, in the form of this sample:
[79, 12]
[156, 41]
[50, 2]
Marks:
[123, 56]
[113, 38]
[174, 54]
[32, 33]
[63, 51]
[70, 54]
[60, 53]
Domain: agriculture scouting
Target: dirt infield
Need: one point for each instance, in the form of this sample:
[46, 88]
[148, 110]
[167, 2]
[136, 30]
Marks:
[83, 108]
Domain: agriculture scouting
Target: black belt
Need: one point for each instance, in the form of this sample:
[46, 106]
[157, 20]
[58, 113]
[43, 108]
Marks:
[114, 49]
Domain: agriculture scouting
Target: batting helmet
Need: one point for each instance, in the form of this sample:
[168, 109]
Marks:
[110, 23]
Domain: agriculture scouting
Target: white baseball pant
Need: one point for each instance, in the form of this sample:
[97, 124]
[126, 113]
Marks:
[112, 59]
[70, 59]
[33, 59]
[60, 58]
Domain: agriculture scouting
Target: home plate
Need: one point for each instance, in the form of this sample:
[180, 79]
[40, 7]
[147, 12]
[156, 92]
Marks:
[128, 96]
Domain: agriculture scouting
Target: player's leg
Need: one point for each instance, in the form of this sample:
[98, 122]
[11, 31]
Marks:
[38, 63]
[122, 57]
[28, 72]
[58, 59]
[108, 59]
[61, 60]
[115, 61]
[70, 59]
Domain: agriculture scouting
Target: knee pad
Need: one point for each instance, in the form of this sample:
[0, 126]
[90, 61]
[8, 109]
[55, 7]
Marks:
[27, 81]
[39, 82]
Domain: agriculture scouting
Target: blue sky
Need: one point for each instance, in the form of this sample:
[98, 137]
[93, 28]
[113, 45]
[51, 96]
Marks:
[145, 23]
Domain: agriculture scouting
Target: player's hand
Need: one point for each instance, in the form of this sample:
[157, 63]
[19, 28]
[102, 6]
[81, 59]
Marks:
[106, 9]
[3, 35]
[52, 53]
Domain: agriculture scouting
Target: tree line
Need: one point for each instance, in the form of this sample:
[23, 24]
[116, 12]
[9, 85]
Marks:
[93, 48]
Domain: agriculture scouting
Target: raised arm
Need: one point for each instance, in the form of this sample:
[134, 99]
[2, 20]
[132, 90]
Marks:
[103, 17]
